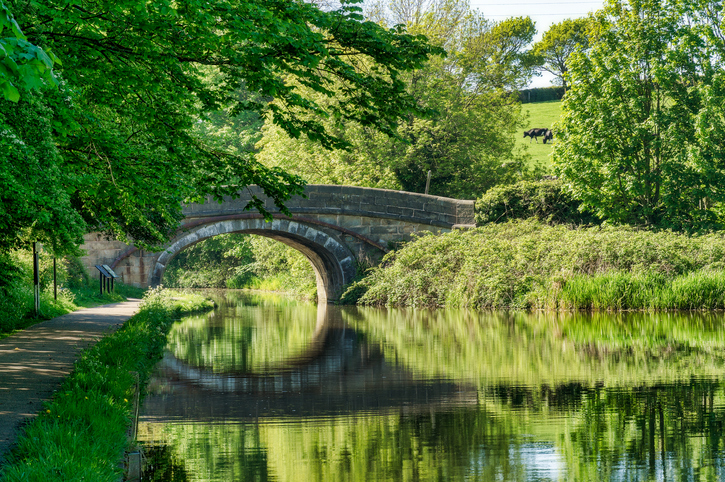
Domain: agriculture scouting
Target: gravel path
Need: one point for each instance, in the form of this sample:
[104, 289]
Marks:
[34, 362]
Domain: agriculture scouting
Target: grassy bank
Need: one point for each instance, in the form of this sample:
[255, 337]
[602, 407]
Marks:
[75, 290]
[530, 265]
[81, 434]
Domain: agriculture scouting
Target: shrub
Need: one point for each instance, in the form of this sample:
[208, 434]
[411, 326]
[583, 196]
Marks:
[544, 200]
[529, 264]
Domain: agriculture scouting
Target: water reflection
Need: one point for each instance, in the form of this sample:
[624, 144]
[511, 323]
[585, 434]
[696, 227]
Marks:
[286, 391]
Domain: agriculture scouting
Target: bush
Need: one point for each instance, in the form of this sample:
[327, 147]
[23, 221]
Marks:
[528, 264]
[543, 200]
[541, 94]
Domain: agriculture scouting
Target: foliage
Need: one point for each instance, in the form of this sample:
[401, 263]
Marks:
[35, 203]
[237, 261]
[541, 94]
[543, 200]
[558, 43]
[528, 264]
[81, 433]
[466, 140]
[136, 82]
[22, 64]
[74, 289]
[640, 138]
[209, 263]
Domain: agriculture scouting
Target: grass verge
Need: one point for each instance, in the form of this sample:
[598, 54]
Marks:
[81, 434]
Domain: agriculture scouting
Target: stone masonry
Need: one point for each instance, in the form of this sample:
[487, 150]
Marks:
[334, 226]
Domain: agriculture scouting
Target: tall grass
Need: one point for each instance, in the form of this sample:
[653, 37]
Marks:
[530, 265]
[81, 433]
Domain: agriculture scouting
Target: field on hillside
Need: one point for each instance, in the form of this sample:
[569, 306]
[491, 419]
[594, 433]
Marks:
[542, 114]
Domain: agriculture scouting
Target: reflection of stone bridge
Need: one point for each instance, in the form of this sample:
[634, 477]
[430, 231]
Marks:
[332, 227]
[339, 373]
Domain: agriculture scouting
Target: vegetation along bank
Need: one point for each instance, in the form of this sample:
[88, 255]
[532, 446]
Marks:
[74, 289]
[528, 264]
[81, 434]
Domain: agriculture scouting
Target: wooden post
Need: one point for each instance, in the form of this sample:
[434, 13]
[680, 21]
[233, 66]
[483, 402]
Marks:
[36, 279]
[427, 182]
[55, 280]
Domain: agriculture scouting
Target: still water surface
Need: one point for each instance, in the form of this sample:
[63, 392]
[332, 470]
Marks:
[266, 388]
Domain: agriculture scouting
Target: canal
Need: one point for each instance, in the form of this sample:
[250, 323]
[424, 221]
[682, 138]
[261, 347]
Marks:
[268, 388]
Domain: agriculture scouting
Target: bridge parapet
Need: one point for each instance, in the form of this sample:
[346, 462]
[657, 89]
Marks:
[353, 201]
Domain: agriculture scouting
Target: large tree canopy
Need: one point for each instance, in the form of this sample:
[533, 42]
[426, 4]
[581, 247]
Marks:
[558, 43]
[641, 137]
[135, 80]
[467, 142]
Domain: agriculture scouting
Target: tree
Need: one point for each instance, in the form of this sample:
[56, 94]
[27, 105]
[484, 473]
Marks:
[558, 43]
[467, 139]
[22, 64]
[639, 140]
[134, 86]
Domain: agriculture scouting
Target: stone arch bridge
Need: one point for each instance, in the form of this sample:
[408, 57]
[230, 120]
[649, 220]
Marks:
[333, 226]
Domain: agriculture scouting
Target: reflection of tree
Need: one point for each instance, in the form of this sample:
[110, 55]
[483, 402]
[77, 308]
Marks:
[546, 349]
[676, 428]
[581, 398]
[212, 452]
[243, 338]
[162, 466]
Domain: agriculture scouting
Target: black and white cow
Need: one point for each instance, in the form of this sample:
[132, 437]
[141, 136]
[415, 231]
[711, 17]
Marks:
[534, 134]
[548, 136]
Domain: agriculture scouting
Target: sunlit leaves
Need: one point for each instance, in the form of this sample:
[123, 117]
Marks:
[22, 64]
[634, 146]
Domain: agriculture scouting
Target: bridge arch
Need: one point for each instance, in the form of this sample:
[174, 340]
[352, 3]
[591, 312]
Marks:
[332, 262]
[331, 225]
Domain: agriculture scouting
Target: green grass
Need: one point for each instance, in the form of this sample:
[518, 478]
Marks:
[542, 114]
[81, 434]
[17, 303]
[76, 289]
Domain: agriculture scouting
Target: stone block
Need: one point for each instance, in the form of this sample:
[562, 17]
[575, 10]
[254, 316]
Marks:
[376, 230]
[329, 219]
[330, 189]
[379, 207]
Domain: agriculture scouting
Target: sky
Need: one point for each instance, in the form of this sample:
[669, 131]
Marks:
[543, 13]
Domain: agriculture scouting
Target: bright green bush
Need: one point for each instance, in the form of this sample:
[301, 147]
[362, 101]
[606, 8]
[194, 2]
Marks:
[81, 433]
[529, 264]
[543, 200]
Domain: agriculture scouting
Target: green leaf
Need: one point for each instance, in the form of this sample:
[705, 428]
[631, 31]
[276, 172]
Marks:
[9, 91]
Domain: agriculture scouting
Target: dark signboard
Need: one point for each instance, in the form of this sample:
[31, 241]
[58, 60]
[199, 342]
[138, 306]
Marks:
[110, 271]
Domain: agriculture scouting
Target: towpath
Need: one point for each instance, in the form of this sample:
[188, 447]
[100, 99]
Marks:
[34, 362]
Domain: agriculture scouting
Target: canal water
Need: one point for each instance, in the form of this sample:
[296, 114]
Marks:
[267, 388]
